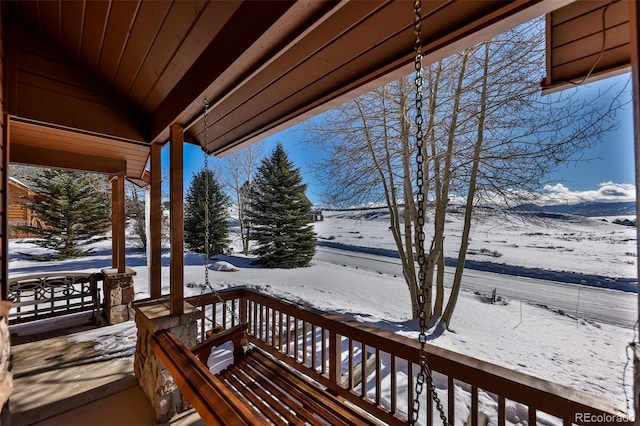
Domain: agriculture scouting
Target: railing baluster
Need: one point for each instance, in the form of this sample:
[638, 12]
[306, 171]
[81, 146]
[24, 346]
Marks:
[304, 342]
[296, 337]
[532, 416]
[430, 405]
[314, 355]
[394, 383]
[350, 372]
[474, 404]
[410, 387]
[451, 394]
[323, 359]
[280, 330]
[378, 384]
[501, 410]
[335, 351]
[363, 371]
[274, 327]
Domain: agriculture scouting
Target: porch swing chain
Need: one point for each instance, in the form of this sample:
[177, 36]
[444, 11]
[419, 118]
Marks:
[425, 374]
[207, 283]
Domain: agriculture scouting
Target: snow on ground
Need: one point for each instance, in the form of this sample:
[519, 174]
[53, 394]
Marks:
[584, 355]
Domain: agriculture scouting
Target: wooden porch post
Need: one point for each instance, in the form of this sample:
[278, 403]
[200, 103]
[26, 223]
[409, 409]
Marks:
[4, 226]
[177, 220]
[155, 225]
[634, 30]
[117, 224]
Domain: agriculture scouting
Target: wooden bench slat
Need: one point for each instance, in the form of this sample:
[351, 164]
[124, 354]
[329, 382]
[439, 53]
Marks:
[314, 400]
[212, 399]
[254, 390]
[332, 407]
[272, 398]
[254, 400]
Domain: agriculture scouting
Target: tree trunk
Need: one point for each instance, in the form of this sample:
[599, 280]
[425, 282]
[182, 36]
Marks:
[464, 242]
[443, 180]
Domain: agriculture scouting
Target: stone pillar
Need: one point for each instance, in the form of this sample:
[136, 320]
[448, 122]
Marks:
[118, 294]
[6, 377]
[160, 388]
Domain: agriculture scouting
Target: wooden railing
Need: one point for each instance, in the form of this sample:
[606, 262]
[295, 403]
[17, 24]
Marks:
[338, 353]
[41, 296]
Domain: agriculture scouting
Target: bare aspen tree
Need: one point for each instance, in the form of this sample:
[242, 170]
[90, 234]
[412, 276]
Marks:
[236, 173]
[490, 138]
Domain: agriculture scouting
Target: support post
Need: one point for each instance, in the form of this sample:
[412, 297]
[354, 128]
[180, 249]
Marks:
[177, 219]
[121, 229]
[117, 224]
[156, 217]
[115, 232]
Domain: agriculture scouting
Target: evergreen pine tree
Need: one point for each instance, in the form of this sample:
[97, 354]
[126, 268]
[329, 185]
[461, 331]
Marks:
[280, 214]
[194, 223]
[75, 209]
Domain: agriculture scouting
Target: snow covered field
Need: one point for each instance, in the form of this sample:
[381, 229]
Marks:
[585, 355]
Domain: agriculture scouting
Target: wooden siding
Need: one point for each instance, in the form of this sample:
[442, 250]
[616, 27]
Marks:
[16, 212]
[47, 75]
[587, 41]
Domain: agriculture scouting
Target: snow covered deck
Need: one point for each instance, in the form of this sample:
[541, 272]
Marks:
[82, 377]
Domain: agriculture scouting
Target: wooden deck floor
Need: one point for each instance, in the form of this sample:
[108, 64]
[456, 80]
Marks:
[60, 379]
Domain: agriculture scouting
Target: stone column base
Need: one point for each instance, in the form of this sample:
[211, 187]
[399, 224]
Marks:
[118, 294]
[160, 388]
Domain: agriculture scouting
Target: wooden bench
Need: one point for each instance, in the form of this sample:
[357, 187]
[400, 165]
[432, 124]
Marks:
[255, 389]
[41, 296]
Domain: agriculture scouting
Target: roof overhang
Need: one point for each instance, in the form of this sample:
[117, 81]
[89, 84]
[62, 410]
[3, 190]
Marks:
[124, 72]
[329, 55]
[586, 41]
[52, 146]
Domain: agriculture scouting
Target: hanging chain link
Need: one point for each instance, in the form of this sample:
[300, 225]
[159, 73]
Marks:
[425, 374]
[207, 232]
[206, 195]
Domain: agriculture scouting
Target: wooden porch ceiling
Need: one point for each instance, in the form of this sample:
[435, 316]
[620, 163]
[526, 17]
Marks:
[140, 66]
[587, 41]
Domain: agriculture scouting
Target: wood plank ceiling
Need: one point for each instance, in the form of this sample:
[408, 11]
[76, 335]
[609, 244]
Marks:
[586, 41]
[119, 73]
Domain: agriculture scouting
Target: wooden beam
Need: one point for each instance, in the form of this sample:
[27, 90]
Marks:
[254, 18]
[4, 226]
[155, 219]
[118, 224]
[114, 223]
[121, 227]
[177, 219]
[46, 157]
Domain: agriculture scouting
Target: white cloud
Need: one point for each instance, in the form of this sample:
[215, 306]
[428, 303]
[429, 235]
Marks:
[606, 192]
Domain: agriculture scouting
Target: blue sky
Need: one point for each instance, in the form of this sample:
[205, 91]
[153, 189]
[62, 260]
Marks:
[610, 169]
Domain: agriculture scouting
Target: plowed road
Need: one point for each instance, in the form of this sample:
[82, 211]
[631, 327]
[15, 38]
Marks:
[590, 303]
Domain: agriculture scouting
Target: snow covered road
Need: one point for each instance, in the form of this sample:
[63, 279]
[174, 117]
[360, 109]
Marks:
[590, 303]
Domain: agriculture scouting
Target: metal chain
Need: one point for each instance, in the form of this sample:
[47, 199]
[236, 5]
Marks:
[425, 374]
[206, 195]
[207, 234]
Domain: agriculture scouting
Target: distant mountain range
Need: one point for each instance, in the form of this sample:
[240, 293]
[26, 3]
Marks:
[590, 209]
